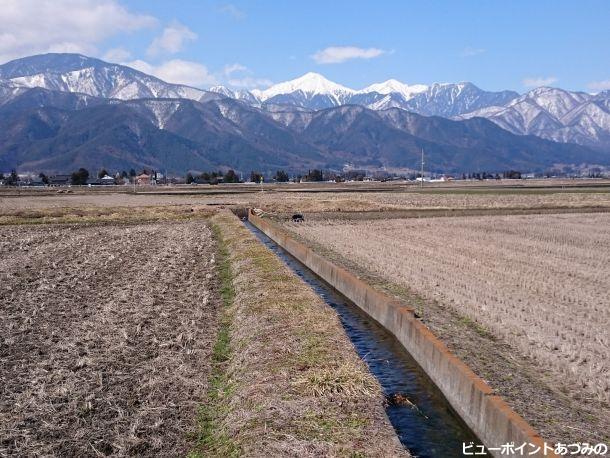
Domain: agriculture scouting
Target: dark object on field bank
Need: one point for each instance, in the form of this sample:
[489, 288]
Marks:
[297, 218]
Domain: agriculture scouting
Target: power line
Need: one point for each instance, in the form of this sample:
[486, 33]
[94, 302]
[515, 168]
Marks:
[422, 169]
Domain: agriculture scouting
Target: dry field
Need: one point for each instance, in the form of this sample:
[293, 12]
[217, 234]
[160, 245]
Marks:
[105, 337]
[539, 282]
[408, 200]
[126, 329]
[285, 202]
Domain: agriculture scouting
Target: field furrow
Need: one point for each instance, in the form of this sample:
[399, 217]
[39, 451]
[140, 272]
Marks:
[540, 281]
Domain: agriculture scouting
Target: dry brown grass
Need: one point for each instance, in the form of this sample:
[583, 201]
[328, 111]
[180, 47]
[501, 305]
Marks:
[297, 386]
[106, 333]
[101, 214]
[539, 282]
[408, 200]
[399, 198]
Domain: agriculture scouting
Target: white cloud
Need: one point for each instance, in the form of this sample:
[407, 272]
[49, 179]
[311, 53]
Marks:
[599, 85]
[537, 81]
[235, 68]
[339, 54]
[177, 71]
[172, 40]
[116, 55]
[470, 52]
[250, 83]
[141, 66]
[38, 26]
[233, 11]
[239, 76]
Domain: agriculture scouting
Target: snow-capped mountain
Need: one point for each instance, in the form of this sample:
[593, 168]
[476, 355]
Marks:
[555, 114]
[243, 95]
[86, 75]
[58, 132]
[550, 113]
[314, 92]
[451, 99]
[393, 86]
[310, 84]
[311, 91]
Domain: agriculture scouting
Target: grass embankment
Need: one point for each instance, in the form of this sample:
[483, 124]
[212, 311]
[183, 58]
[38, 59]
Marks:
[286, 381]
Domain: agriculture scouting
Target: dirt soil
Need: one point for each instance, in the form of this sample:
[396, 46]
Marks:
[106, 333]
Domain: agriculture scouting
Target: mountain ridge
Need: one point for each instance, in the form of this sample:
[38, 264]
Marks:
[314, 91]
[114, 116]
[78, 73]
[52, 131]
[550, 113]
[555, 114]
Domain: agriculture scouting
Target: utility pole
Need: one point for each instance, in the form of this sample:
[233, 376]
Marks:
[422, 169]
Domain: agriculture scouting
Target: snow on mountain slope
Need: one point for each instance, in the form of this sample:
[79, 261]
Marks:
[309, 84]
[394, 86]
[550, 113]
[162, 110]
[451, 99]
[556, 102]
[554, 114]
[243, 95]
[312, 91]
[9, 90]
[296, 120]
[76, 73]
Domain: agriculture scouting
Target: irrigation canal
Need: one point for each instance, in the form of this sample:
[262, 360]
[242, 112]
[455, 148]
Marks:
[424, 422]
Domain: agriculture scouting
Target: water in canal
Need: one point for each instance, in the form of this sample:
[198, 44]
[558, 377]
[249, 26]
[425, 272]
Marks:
[427, 427]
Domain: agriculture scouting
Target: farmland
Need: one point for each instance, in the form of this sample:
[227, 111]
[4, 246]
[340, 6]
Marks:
[121, 334]
[103, 329]
[158, 329]
[538, 283]
[319, 198]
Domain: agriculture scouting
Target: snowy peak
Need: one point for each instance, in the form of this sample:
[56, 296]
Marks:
[47, 63]
[310, 84]
[555, 114]
[314, 92]
[243, 95]
[393, 86]
[222, 90]
[556, 102]
[77, 73]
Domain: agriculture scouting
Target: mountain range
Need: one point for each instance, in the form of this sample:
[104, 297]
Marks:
[314, 92]
[551, 113]
[59, 112]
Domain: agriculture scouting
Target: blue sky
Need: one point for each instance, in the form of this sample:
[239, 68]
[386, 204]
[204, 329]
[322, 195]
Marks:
[496, 45]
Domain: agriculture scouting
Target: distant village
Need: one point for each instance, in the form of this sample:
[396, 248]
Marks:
[149, 177]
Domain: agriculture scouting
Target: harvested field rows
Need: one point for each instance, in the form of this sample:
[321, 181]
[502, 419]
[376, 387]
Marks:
[383, 201]
[540, 282]
[106, 334]
[278, 201]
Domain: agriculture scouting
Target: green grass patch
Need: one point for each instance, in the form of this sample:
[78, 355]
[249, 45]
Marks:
[477, 327]
[212, 438]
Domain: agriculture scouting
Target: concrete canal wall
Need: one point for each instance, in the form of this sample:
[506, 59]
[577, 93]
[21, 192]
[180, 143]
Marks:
[487, 415]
